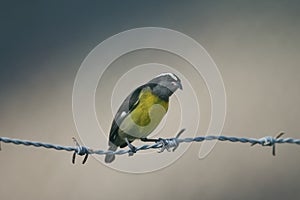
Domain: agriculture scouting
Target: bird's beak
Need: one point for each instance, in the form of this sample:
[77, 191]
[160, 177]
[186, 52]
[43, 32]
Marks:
[180, 85]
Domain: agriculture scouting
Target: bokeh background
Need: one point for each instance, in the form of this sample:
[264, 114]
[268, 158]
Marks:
[255, 45]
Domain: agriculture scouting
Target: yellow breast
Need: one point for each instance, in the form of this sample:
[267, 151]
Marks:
[146, 116]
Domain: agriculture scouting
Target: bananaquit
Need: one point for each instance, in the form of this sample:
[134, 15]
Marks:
[141, 112]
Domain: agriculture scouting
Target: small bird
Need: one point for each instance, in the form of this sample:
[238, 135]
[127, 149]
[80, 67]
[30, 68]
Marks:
[142, 111]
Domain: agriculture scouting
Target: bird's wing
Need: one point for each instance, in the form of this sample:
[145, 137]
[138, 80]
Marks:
[125, 109]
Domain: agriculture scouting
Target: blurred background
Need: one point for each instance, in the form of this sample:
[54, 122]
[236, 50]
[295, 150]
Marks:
[255, 45]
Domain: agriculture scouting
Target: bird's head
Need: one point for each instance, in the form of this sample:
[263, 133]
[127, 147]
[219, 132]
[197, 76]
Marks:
[166, 84]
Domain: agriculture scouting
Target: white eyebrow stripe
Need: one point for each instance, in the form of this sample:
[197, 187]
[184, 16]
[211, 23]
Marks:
[170, 74]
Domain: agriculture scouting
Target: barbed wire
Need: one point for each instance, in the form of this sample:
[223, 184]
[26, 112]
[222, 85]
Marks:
[162, 144]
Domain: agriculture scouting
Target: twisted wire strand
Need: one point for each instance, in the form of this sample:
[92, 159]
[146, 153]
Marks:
[163, 144]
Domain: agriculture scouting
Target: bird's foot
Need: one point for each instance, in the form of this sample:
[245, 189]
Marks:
[151, 140]
[164, 143]
[131, 147]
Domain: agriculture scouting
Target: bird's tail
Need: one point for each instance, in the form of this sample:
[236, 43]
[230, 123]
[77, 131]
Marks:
[110, 157]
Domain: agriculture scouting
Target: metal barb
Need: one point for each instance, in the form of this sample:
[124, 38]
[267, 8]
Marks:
[73, 157]
[177, 136]
[270, 141]
[81, 150]
[180, 133]
[85, 158]
[167, 144]
[164, 145]
[277, 137]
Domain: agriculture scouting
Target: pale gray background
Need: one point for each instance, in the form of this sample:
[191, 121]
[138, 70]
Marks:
[255, 45]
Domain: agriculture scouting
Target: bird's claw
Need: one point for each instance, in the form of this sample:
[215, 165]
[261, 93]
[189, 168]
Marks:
[131, 147]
